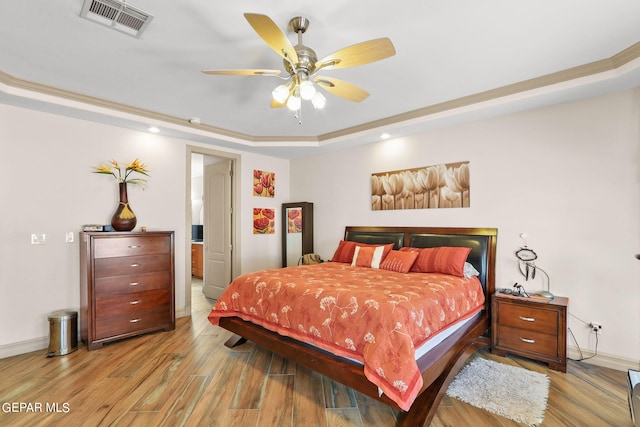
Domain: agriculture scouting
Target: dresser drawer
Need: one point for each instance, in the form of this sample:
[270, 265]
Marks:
[122, 324]
[131, 246]
[525, 340]
[126, 266]
[131, 303]
[114, 285]
[528, 317]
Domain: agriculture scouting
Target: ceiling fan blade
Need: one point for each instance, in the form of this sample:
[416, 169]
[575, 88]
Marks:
[342, 89]
[358, 54]
[272, 35]
[276, 104]
[247, 72]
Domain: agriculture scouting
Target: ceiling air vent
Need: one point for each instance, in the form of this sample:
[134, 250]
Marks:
[118, 15]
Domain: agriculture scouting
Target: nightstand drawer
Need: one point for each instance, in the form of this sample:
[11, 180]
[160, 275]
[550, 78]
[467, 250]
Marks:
[527, 341]
[531, 318]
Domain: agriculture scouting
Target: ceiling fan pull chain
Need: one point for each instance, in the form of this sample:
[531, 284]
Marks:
[298, 115]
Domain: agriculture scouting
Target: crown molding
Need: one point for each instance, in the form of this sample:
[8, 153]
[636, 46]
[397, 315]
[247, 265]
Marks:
[610, 65]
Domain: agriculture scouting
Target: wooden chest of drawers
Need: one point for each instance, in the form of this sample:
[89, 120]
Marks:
[531, 329]
[126, 285]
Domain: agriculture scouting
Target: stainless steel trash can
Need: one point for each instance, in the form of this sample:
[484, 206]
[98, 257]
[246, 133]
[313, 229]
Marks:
[63, 332]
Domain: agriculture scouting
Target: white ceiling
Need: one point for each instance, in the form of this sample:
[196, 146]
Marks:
[446, 51]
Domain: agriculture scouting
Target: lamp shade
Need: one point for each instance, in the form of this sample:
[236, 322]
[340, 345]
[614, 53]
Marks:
[318, 101]
[280, 93]
[294, 103]
[307, 90]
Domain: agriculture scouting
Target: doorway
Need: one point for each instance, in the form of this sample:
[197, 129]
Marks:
[211, 204]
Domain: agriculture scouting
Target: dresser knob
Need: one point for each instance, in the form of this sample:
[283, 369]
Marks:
[134, 302]
[134, 283]
[134, 246]
[527, 319]
[134, 320]
[134, 265]
[527, 340]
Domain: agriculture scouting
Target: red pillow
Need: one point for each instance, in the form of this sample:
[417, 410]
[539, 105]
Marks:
[368, 256]
[399, 261]
[443, 259]
[344, 253]
[345, 250]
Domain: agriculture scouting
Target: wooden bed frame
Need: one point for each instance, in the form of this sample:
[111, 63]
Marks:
[440, 365]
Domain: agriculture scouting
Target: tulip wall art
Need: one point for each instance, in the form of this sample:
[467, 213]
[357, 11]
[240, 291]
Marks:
[263, 221]
[264, 183]
[430, 187]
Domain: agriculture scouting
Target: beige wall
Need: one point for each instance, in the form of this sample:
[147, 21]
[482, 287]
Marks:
[568, 175]
[47, 187]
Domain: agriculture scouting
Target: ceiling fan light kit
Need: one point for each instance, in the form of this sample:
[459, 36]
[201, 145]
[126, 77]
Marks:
[301, 63]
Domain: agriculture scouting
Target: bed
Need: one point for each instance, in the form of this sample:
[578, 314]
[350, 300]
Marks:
[351, 364]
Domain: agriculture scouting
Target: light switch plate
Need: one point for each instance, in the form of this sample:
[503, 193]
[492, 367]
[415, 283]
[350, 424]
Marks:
[38, 239]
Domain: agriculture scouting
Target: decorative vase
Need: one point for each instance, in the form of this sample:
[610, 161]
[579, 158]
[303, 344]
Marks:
[123, 219]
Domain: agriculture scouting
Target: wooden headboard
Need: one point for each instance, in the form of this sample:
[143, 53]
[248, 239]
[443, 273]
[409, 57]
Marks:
[482, 242]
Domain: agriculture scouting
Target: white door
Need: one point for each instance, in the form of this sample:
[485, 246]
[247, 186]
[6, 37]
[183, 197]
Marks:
[217, 228]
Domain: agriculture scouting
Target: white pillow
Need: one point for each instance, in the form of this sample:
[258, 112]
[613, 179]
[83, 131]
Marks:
[470, 270]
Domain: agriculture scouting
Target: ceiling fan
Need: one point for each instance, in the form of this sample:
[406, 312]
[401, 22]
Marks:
[302, 65]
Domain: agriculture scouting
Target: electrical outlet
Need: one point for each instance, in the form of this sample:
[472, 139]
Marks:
[38, 239]
[68, 237]
[595, 326]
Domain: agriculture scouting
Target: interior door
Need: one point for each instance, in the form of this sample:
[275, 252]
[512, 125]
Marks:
[217, 228]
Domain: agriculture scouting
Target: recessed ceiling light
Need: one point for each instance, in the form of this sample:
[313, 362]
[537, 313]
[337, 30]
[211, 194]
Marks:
[153, 129]
[385, 136]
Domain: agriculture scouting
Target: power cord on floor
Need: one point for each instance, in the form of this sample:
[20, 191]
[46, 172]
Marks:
[595, 351]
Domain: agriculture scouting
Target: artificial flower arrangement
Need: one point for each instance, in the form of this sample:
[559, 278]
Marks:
[124, 219]
[122, 174]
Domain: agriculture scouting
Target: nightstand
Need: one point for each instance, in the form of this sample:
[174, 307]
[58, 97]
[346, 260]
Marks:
[530, 328]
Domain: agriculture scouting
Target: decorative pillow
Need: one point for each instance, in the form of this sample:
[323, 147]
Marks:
[368, 256]
[399, 261]
[344, 253]
[443, 259]
[470, 270]
[346, 250]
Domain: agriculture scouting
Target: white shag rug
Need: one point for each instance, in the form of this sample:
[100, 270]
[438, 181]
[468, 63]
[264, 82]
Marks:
[509, 391]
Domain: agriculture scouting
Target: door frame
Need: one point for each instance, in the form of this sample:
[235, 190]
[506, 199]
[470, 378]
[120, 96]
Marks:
[235, 207]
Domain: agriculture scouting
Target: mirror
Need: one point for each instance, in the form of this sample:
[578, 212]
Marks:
[297, 232]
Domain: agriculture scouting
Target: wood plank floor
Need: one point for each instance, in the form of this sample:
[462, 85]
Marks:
[188, 378]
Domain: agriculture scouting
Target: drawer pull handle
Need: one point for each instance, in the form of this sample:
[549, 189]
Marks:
[134, 320]
[527, 340]
[134, 283]
[134, 302]
[135, 264]
[527, 319]
[134, 246]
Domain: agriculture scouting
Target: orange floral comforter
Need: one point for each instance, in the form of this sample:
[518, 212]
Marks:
[374, 316]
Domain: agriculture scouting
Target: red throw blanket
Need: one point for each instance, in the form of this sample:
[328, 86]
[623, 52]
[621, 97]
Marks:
[374, 316]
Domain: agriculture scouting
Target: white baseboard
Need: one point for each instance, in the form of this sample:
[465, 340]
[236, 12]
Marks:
[183, 312]
[22, 347]
[605, 360]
